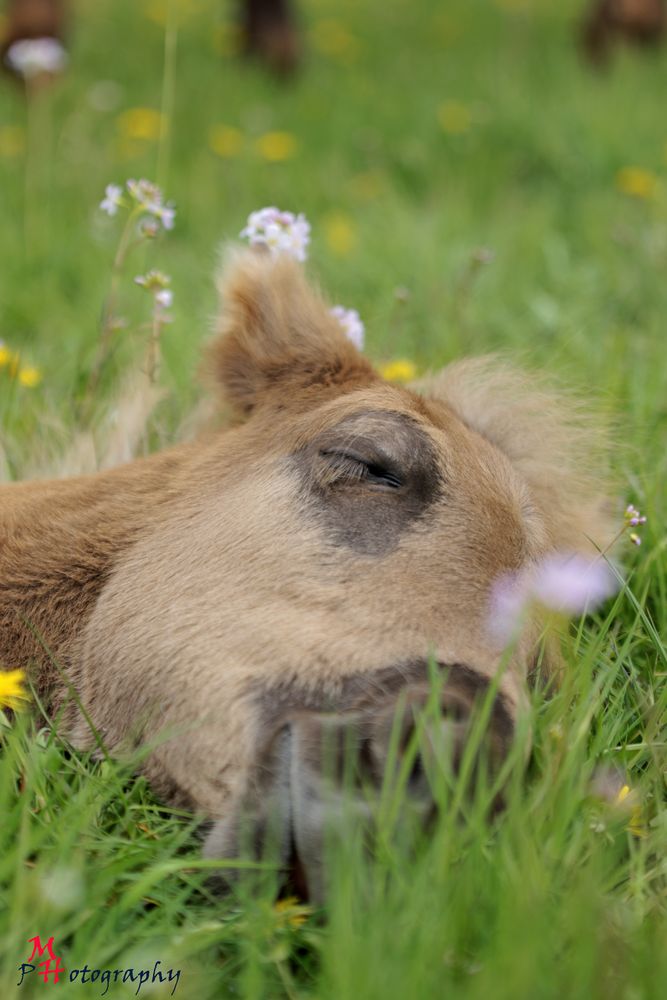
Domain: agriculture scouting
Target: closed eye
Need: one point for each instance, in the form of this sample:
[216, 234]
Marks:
[347, 465]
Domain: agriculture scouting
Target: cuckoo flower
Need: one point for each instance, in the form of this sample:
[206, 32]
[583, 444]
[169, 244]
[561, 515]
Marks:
[565, 583]
[280, 232]
[31, 57]
[351, 323]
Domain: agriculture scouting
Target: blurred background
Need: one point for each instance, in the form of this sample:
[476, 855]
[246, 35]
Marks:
[474, 181]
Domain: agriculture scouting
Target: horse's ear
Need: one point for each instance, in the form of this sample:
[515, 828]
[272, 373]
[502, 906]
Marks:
[276, 335]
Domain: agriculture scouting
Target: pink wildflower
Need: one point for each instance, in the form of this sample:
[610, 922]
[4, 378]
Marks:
[566, 583]
[351, 323]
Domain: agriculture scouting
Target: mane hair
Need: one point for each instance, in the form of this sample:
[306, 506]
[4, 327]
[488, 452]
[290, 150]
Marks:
[556, 442]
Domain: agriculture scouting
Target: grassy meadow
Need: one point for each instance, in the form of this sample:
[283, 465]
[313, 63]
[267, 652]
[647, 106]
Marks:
[472, 186]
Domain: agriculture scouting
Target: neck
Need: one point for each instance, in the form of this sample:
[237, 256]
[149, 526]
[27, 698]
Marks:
[59, 540]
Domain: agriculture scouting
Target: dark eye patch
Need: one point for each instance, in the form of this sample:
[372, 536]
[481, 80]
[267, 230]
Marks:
[369, 478]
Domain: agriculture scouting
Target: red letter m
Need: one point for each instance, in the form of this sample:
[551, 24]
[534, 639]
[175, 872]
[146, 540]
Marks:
[38, 948]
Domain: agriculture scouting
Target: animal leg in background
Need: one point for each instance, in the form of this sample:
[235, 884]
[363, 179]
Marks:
[269, 32]
[268, 27]
[30, 19]
[638, 22]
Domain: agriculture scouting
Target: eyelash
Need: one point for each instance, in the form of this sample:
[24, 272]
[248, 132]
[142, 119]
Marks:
[355, 469]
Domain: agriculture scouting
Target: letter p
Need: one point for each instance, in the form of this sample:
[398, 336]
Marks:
[24, 969]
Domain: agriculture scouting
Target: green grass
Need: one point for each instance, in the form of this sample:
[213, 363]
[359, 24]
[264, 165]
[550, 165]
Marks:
[558, 897]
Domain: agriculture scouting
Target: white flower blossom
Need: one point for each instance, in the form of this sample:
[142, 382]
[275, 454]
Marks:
[164, 298]
[29, 57]
[166, 214]
[113, 199]
[280, 232]
[157, 284]
[351, 323]
[149, 197]
[153, 281]
[633, 518]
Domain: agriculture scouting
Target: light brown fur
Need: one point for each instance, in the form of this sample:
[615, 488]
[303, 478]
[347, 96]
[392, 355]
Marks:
[198, 597]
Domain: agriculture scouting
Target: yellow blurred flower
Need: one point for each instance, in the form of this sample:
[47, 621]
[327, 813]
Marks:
[628, 799]
[367, 185]
[290, 912]
[144, 124]
[637, 182]
[29, 377]
[455, 117]
[9, 359]
[636, 823]
[400, 370]
[623, 794]
[225, 140]
[332, 38]
[12, 692]
[340, 233]
[277, 146]
[227, 39]
[12, 140]
[158, 10]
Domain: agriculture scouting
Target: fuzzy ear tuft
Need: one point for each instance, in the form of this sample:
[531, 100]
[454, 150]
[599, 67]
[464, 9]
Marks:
[276, 335]
[556, 443]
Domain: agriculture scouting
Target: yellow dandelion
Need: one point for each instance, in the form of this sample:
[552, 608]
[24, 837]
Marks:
[332, 38]
[225, 141]
[399, 370]
[277, 146]
[637, 182]
[368, 185]
[227, 39]
[636, 823]
[455, 117]
[29, 377]
[623, 794]
[12, 692]
[628, 799]
[340, 233]
[10, 360]
[157, 11]
[12, 141]
[290, 912]
[143, 124]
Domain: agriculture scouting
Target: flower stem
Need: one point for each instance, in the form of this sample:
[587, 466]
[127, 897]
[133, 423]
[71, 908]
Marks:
[168, 91]
[108, 320]
[153, 353]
